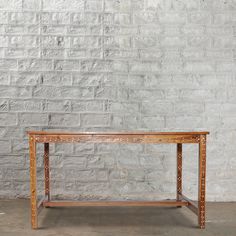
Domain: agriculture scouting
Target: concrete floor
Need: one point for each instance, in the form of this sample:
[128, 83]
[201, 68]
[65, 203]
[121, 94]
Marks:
[114, 221]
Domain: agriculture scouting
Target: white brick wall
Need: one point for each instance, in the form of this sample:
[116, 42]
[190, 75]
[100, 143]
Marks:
[100, 65]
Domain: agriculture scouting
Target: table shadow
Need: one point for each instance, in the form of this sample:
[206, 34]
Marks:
[116, 217]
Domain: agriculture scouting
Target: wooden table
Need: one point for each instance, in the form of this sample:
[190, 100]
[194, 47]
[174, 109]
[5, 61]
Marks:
[119, 137]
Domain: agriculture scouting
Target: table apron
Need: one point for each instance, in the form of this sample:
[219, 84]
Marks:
[117, 138]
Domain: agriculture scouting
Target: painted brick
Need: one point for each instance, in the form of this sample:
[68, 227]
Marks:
[157, 81]
[3, 17]
[25, 105]
[64, 119]
[145, 94]
[14, 29]
[62, 92]
[121, 18]
[189, 108]
[123, 42]
[196, 94]
[33, 119]
[63, 148]
[55, 18]
[56, 78]
[145, 42]
[32, 17]
[82, 176]
[114, 6]
[153, 121]
[8, 64]
[31, 5]
[92, 106]
[132, 122]
[57, 106]
[144, 66]
[186, 122]
[24, 79]
[199, 18]
[90, 79]
[157, 108]
[124, 107]
[11, 5]
[199, 67]
[34, 65]
[3, 105]
[176, 18]
[15, 161]
[56, 42]
[102, 175]
[96, 66]
[105, 92]
[95, 120]
[93, 5]
[148, 17]
[132, 162]
[15, 92]
[5, 146]
[66, 65]
[84, 148]
[9, 132]
[57, 5]
[53, 53]
[20, 146]
[47, 29]
[102, 65]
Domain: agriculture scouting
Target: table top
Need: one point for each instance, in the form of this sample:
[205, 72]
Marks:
[32, 132]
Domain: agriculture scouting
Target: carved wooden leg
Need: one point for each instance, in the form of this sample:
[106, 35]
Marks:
[202, 181]
[33, 182]
[179, 171]
[46, 170]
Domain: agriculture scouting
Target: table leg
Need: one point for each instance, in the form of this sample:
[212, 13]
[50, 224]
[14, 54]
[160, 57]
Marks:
[33, 182]
[179, 171]
[202, 182]
[46, 170]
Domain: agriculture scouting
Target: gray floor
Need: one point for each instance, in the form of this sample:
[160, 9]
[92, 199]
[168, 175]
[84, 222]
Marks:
[14, 220]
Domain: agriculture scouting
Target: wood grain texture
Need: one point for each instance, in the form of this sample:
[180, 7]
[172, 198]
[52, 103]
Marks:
[202, 182]
[115, 203]
[33, 182]
[179, 171]
[46, 170]
[119, 137]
